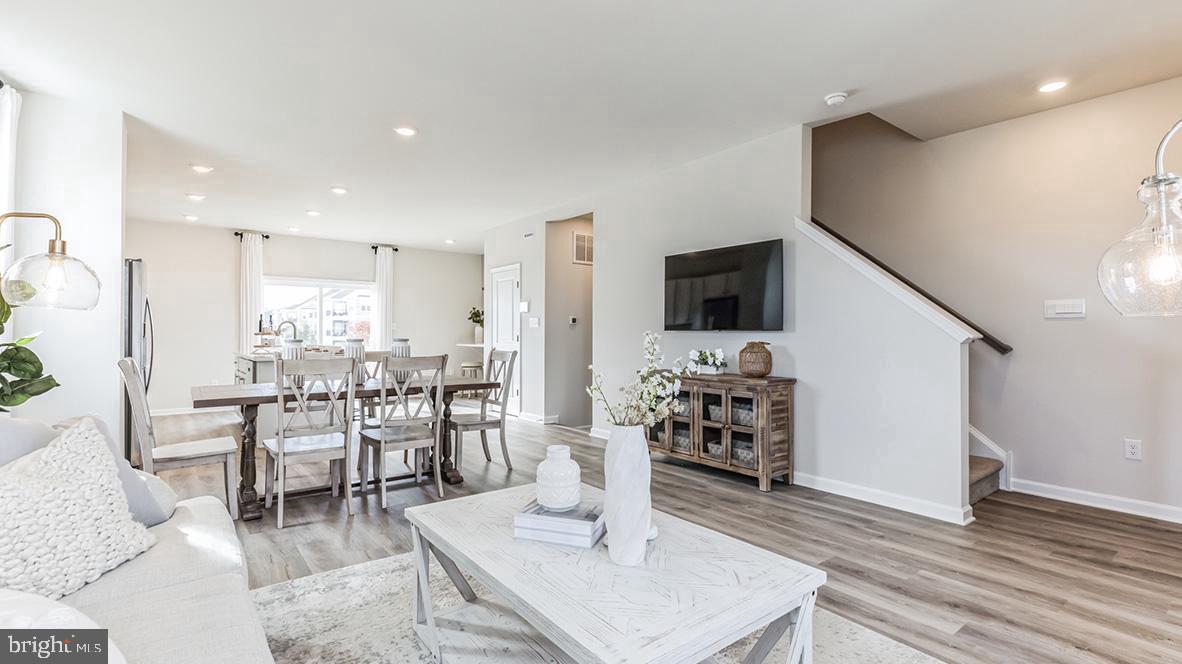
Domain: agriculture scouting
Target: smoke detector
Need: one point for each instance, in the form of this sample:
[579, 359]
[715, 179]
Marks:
[836, 99]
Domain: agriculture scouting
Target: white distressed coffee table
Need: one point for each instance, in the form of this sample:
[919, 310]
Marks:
[698, 591]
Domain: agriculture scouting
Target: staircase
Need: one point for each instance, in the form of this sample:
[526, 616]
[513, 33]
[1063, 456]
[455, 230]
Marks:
[984, 477]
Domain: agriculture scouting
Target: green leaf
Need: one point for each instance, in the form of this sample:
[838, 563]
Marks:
[24, 289]
[25, 341]
[14, 399]
[22, 362]
[35, 387]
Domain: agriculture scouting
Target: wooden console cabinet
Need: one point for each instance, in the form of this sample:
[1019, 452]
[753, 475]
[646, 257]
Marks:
[732, 422]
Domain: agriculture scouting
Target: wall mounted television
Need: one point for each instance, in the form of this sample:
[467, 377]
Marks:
[731, 288]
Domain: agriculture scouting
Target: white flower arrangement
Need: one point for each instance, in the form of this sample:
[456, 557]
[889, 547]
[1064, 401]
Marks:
[649, 399]
[706, 358]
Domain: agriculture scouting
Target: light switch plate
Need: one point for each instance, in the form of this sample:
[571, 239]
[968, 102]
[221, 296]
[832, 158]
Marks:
[534, 321]
[524, 306]
[1076, 308]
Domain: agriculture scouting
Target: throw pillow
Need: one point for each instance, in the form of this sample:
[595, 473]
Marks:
[63, 516]
[164, 495]
[144, 507]
[20, 610]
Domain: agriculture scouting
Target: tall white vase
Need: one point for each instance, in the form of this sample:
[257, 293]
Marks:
[627, 504]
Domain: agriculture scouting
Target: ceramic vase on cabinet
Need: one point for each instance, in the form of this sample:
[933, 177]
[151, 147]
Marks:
[627, 503]
[558, 479]
[355, 348]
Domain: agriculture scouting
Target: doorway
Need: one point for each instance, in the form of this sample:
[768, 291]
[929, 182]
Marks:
[504, 330]
[570, 258]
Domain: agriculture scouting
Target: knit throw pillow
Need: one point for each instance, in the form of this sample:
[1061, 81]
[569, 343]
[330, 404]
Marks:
[63, 516]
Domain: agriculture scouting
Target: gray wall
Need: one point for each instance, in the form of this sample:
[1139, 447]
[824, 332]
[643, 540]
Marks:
[997, 219]
[568, 347]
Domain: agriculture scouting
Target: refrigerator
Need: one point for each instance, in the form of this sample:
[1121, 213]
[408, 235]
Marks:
[138, 342]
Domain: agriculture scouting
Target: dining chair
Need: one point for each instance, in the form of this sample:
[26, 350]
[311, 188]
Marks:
[177, 455]
[316, 423]
[371, 368]
[499, 369]
[407, 421]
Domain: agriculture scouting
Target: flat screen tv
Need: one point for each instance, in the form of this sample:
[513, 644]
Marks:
[732, 288]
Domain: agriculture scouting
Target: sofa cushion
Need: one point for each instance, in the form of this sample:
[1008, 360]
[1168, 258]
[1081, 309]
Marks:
[163, 494]
[197, 542]
[65, 516]
[205, 620]
[144, 507]
[28, 611]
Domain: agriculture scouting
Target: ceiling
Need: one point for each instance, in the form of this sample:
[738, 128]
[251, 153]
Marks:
[524, 105]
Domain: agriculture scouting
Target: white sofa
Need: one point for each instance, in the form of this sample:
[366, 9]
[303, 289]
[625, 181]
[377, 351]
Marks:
[185, 599]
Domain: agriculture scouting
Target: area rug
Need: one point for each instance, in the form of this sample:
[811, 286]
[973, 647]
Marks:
[362, 615]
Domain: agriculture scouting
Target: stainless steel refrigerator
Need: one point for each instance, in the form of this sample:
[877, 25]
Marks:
[138, 341]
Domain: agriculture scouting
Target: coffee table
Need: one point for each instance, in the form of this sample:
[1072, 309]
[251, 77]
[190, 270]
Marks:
[697, 592]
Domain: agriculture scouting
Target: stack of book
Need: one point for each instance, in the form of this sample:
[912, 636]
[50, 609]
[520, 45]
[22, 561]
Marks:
[580, 526]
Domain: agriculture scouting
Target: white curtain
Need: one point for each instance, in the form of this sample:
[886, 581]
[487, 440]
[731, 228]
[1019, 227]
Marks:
[383, 311]
[250, 289]
[10, 111]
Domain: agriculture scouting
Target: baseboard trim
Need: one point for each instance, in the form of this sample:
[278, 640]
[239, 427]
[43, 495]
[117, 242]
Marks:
[541, 419]
[603, 434]
[960, 516]
[1106, 501]
[190, 411]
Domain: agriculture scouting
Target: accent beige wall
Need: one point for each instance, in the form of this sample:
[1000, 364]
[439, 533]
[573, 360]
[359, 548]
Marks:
[997, 219]
[568, 347]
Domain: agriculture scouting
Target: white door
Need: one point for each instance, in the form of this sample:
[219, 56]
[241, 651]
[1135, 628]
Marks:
[505, 317]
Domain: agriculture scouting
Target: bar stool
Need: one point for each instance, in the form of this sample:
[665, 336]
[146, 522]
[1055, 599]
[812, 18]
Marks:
[471, 370]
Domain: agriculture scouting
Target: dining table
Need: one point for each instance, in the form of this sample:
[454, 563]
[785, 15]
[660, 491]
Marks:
[247, 397]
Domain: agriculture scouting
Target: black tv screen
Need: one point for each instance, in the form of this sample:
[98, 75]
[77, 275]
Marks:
[732, 288]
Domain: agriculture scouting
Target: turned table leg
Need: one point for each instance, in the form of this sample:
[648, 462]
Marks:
[451, 474]
[248, 498]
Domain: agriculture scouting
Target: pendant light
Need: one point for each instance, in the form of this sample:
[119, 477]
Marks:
[52, 279]
[1141, 275]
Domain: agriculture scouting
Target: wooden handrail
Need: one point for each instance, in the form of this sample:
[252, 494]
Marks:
[993, 342]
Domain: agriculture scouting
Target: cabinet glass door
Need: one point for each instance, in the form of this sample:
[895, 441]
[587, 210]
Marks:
[741, 429]
[658, 435]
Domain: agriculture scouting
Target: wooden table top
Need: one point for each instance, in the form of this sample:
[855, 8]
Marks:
[698, 590]
[258, 394]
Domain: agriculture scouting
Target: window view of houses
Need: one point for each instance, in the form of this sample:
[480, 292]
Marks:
[323, 314]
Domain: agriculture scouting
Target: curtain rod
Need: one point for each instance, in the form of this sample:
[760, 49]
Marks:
[238, 234]
[375, 247]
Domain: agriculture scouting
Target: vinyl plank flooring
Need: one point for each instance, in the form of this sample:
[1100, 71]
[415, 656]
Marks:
[1032, 580]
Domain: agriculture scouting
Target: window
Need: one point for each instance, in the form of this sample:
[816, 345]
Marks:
[324, 312]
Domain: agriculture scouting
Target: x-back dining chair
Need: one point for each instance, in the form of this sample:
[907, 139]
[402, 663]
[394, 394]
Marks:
[499, 369]
[316, 423]
[406, 421]
[178, 455]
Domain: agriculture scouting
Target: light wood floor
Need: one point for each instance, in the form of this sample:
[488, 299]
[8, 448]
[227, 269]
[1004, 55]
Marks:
[1032, 580]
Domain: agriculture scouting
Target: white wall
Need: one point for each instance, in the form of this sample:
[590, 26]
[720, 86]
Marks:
[997, 219]
[568, 347]
[880, 403]
[193, 282]
[69, 164]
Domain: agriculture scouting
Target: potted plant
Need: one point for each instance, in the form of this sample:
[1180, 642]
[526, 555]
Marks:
[476, 316]
[22, 376]
[707, 362]
[649, 399]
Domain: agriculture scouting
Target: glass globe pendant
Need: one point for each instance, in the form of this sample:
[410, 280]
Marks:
[1141, 275]
[53, 279]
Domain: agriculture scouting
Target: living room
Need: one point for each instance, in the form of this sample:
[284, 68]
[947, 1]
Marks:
[366, 226]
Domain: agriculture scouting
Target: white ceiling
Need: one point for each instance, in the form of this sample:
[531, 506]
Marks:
[523, 105]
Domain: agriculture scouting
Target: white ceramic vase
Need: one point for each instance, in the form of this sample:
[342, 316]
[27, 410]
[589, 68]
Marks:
[558, 479]
[627, 504]
[293, 349]
[478, 334]
[400, 348]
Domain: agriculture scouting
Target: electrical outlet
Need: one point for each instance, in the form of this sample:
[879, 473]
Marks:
[1133, 449]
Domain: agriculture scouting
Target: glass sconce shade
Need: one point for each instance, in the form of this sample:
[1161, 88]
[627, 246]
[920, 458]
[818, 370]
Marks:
[51, 280]
[1141, 275]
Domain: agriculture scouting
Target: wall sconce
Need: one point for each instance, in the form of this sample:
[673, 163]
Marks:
[52, 279]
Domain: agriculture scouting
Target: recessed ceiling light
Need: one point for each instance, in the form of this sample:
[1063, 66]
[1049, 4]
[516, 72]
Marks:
[195, 197]
[202, 170]
[1053, 86]
[405, 131]
[449, 241]
[312, 213]
[339, 191]
[293, 229]
[190, 217]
